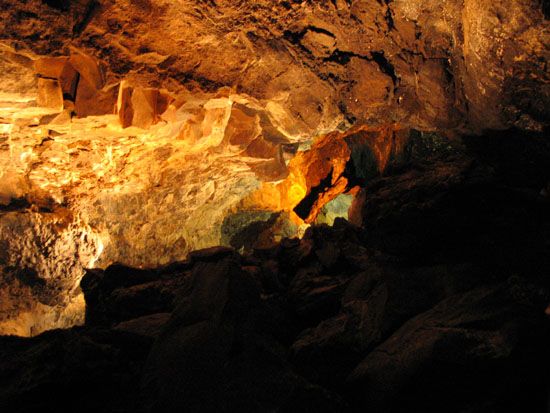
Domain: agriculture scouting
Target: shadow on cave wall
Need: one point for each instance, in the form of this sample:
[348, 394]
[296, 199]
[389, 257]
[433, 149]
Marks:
[244, 230]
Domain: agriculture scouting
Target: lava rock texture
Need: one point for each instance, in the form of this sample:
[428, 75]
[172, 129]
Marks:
[212, 98]
[448, 65]
[434, 297]
[439, 302]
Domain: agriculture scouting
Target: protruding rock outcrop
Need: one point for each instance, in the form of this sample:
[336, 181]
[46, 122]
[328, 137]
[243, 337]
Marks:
[141, 107]
[75, 82]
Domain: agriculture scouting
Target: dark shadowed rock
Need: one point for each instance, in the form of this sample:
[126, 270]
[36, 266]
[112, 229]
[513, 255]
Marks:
[211, 254]
[66, 370]
[483, 344]
[210, 357]
[328, 352]
[315, 295]
[147, 326]
[373, 305]
[467, 202]
[122, 293]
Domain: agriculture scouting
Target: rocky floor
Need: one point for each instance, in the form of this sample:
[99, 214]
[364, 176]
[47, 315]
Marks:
[438, 302]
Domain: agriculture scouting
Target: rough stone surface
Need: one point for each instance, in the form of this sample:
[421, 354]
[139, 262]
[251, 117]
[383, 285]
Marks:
[400, 337]
[32, 281]
[98, 370]
[149, 119]
[134, 132]
[469, 338]
[210, 356]
[445, 65]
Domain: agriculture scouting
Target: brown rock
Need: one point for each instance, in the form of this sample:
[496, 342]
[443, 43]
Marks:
[61, 69]
[98, 366]
[314, 295]
[51, 67]
[458, 345]
[147, 326]
[209, 357]
[144, 104]
[484, 61]
[373, 87]
[329, 352]
[211, 254]
[124, 104]
[320, 44]
[50, 94]
[93, 102]
[84, 73]
[243, 126]
[89, 69]
[141, 107]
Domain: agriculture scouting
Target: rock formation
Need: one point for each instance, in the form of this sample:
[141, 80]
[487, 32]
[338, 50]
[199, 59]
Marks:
[168, 168]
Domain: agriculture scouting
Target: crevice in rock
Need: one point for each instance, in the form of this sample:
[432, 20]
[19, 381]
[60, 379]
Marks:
[91, 8]
[16, 204]
[385, 66]
[303, 209]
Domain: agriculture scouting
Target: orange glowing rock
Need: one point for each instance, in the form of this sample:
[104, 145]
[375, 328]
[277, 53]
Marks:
[93, 102]
[243, 126]
[50, 94]
[317, 176]
[80, 79]
[144, 101]
[260, 148]
[51, 67]
[58, 68]
[124, 104]
[89, 69]
[141, 107]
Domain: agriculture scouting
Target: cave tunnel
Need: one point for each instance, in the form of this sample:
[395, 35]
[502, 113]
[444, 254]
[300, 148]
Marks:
[274, 206]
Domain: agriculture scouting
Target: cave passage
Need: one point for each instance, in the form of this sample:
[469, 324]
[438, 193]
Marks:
[274, 206]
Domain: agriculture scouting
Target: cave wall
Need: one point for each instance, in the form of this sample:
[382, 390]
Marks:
[247, 86]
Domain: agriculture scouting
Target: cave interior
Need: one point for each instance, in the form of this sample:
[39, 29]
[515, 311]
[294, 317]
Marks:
[274, 206]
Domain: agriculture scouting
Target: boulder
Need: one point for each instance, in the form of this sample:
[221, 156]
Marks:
[123, 293]
[211, 254]
[94, 102]
[485, 344]
[94, 369]
[374, 304]
[80, 78]
[144, 101]
[139, 106]
[465, 200]
[326, 354]
[124, 104]
[210, 356]
[61, 69]
[89, 69]
[146, 326]
[315, 295]
[50, 94]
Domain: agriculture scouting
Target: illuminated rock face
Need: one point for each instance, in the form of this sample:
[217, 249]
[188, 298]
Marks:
[140, 196]
[455, 64]
[42, 260]
[138, 132]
